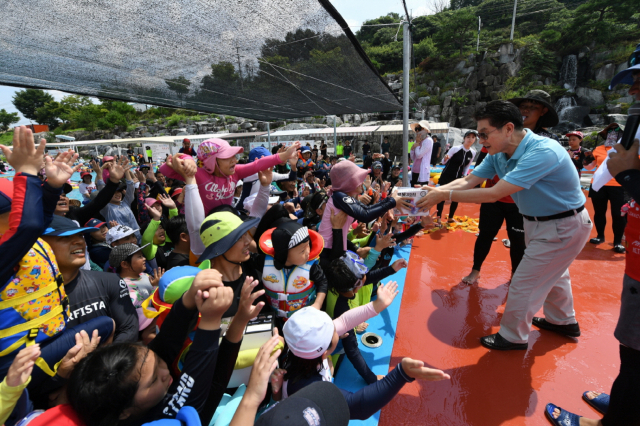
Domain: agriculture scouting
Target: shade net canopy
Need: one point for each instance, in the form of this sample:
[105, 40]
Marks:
[260, 59]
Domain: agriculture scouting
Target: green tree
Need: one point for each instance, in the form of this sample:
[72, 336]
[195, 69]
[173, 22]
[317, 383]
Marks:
[223, 74]
[7, 119]
[179, 85]
[424, 49]
[456, 29]
[48, 114]
[29, 100]
[367, 33]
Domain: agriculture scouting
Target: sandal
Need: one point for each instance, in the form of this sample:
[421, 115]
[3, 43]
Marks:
[600, 402]
[564, 419]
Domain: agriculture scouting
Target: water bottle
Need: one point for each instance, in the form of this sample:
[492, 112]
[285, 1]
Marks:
[631, 127]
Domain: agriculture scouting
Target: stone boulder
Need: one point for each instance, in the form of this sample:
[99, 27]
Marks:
[233, 128]
[589, 97]
[614, 108]
[606, 72]
[597, 119]
[246, 125]
[433, 110]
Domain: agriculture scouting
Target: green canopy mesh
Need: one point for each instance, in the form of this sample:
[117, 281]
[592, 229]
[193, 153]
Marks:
[260, 59]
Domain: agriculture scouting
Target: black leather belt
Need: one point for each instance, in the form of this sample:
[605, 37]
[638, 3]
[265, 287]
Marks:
[555, 216]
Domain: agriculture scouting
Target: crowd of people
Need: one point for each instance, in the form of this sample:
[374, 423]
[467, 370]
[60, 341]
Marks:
[131, 305]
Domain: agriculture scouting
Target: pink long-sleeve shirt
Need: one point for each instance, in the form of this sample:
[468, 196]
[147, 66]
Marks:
[354, 317]
[216, 191]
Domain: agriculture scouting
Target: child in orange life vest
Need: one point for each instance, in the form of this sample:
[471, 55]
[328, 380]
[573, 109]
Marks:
[33, 303]
[291, 275]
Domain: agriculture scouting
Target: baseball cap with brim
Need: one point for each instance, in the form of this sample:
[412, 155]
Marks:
[575, 133]
[122, 252]
[176, 192]
[550, 119]
[151, 202]
[258, 152]
[118, 232]
[107, 158]
[83, 174]
[95, 223]
[6, 195]
[220, 231]
[624, 77]
[320, 403]
[62, 227]
[422, 123]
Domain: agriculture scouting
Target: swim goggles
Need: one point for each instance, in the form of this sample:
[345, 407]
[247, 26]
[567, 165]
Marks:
[355, 264]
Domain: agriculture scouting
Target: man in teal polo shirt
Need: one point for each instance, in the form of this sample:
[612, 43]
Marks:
[537, 173]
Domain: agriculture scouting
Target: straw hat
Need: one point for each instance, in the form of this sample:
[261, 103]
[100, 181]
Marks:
[422, 123]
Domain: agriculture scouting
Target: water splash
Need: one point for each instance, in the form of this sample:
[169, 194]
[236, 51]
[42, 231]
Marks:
[563, 107]
[569, 72]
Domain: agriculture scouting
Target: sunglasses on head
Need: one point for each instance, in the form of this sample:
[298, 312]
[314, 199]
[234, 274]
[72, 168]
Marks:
[617, 129]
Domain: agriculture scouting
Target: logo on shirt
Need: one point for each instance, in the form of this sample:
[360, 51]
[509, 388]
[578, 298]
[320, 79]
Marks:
[348, 200]
[180, 397]
[311, 416]
[124, 290]
[219, 192]
[87, 309]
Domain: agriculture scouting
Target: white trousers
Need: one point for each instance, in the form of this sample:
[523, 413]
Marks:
[542, 278]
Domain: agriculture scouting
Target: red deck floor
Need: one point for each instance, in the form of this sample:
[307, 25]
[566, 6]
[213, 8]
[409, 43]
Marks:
[442, 319]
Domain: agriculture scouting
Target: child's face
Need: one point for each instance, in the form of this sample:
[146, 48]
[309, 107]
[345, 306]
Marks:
[227, 165]
[306, 155]
[241, 250]
[138, 263]
[100, 234]
[305, 192]
[574, 142]
[299, 255]
[159, 237]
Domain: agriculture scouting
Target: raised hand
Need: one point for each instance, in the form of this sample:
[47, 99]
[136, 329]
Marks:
[385, 241]
[113, 223]
[83, 347]
[140, 176]
[386, 294]
[290, 153]
[246, 309]
[416, 370]
[427, 222]
[24, 158]
[276, 379]
[156, 214]
[338, 218]
[22, 365]
[155, 278]
[402, 202]
[213, 307]
[399, 264]
[363, 252]
[266, 176]
[61, 168]
[265, 363]
[166, 201]
[367, 182]
[203, 281]
[150, 175]
[96, 168]
[118, 169]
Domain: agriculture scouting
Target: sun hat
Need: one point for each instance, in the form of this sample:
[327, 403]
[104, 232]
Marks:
[612, 126]
[212, 149]
[309, 332]
[117, 233]
[346, 176]
[176, 192]
[257, 153]
[320, 403]
[122, 252]
[277, 242]
[108, 158]
[151, 201]
[220, 231]
[62, 227]
[550, 119]
[575, 133]
[626, 76]
[94, 223]
[422, 123]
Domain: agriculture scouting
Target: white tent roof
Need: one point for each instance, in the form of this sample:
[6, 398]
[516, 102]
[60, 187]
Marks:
[345, 131]
[165, 140]
[299, 132]
[396, 129]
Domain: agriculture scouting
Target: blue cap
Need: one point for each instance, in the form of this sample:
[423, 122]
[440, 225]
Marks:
[62, 227]
[303, 149]
[94, 223]
[258, 152]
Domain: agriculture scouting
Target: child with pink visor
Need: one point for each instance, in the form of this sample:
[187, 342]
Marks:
[218, 172]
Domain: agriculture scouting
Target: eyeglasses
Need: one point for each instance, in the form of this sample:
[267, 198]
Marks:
[484, 136]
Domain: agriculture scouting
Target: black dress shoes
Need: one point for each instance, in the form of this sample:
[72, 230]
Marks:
[596, 240]
[571, 330]
[496, 341]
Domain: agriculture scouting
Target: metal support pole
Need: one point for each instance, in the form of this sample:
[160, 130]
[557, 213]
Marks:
[335, 134]
[513, 19]
[269, 133]
[405, 104]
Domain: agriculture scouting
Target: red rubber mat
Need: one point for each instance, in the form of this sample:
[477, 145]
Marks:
[442, 319]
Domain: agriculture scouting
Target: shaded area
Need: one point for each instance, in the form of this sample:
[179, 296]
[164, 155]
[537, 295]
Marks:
[261, 59]
[441, 321]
